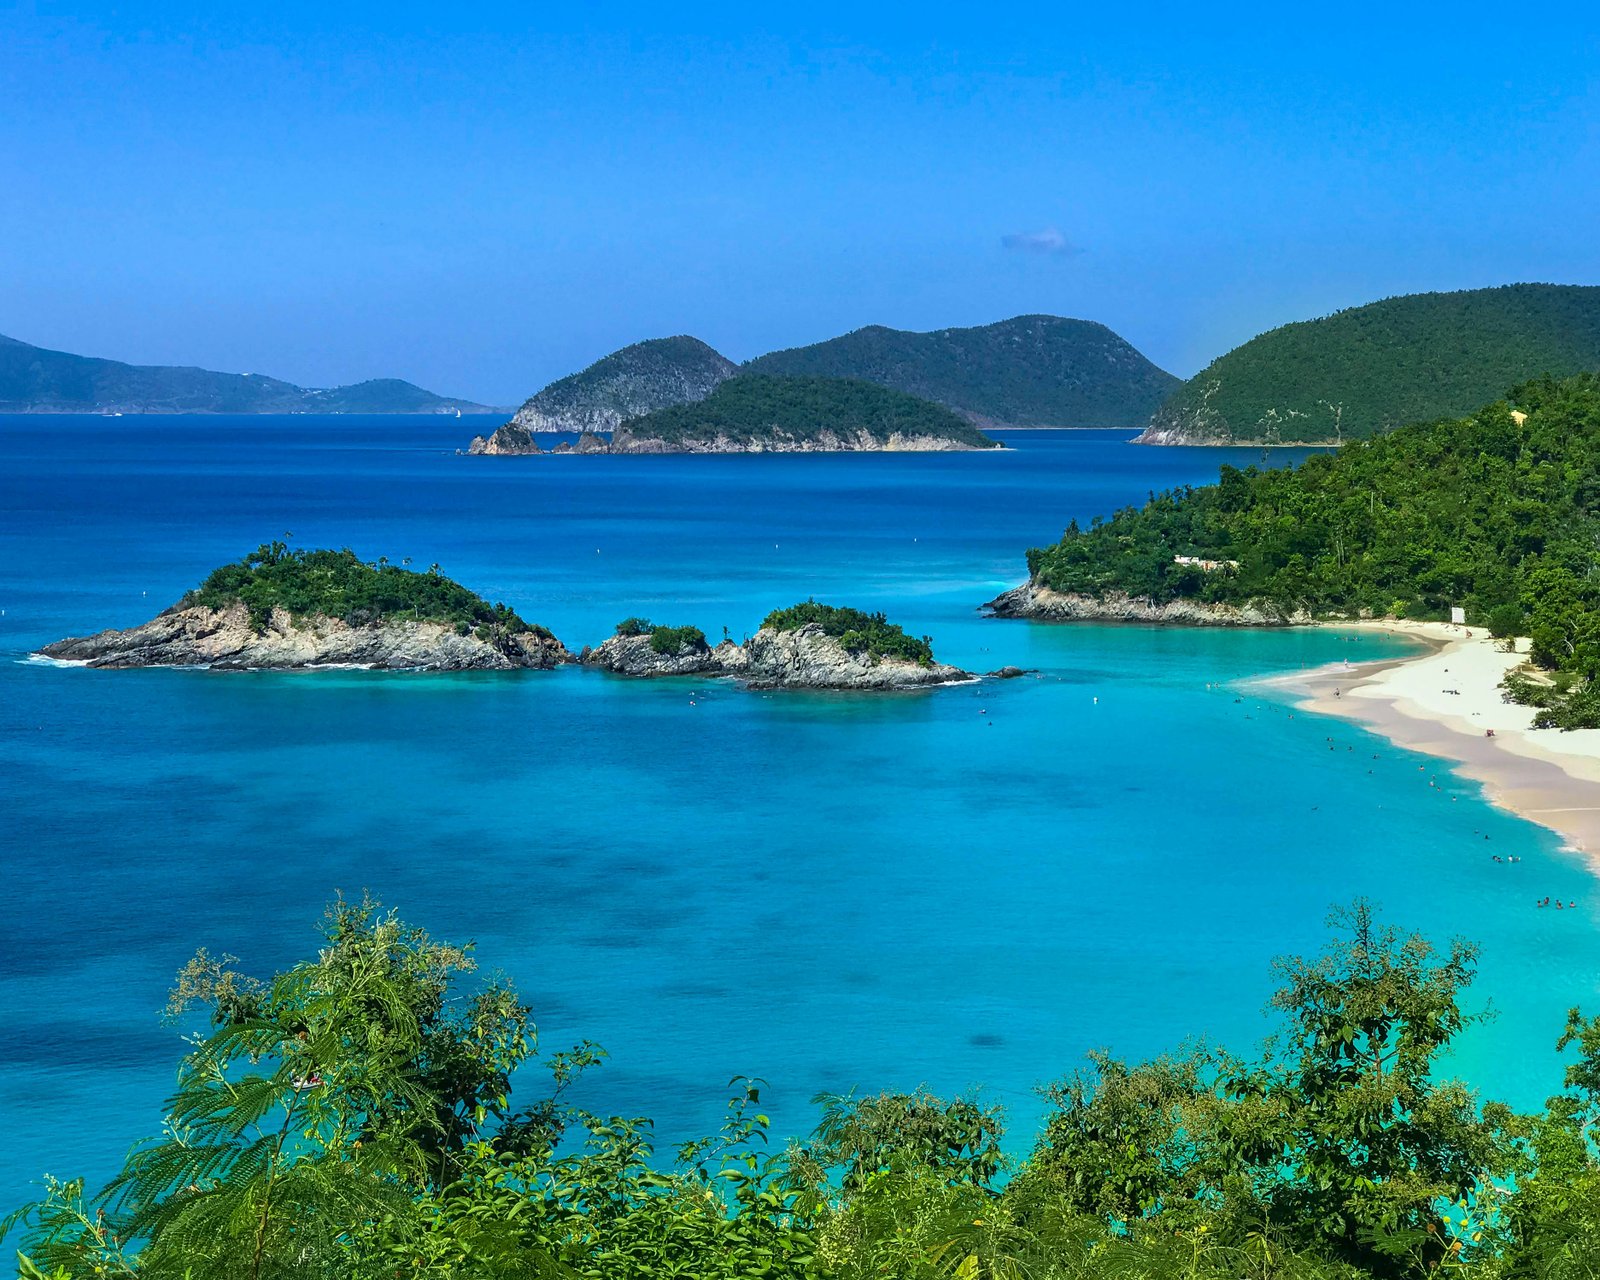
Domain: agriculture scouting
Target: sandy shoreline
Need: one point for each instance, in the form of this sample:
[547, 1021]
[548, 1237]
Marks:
[1442, 701]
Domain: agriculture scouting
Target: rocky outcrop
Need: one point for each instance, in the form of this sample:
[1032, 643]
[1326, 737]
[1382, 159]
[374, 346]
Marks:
[1036, 601]
[809, 658]
[636, 656]
[195, 636]
[1199, 434]
[1175, 435]
[511, 440]
[587, 442]
[506, 440]
[863, 441]
[803, 658]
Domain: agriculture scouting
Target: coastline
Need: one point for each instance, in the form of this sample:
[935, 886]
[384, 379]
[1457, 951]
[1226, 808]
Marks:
[1442, 700]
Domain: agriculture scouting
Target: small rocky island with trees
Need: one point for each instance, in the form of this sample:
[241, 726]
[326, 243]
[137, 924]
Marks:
[758, 413]
[284, 609]
[807, 646]
[287, 609]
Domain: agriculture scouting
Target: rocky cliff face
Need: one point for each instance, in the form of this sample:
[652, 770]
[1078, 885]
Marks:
[626, 384]
[509, 439]
[809, 658]
[635, 380]
[1177, 435]
[634, 656]
[805, 658]
[1038, 602]
[223, 638]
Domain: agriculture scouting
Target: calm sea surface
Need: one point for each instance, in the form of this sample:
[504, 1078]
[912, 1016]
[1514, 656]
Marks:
[968, 887]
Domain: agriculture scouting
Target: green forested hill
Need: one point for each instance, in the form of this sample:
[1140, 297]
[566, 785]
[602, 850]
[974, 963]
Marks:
[754, 412]
[1498, 513]
[35, 380]
[339, 584]
[638, 379]
[1031, 371]
[1407, 359]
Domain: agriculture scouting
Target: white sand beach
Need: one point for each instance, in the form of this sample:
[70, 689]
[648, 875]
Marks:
[1444, 701]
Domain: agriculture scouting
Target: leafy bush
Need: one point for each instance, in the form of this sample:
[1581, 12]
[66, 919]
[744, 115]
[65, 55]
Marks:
[351, 1119]
[338, 584]
[869, 633]
[663, 640]
[1506, 621]
[669, 640]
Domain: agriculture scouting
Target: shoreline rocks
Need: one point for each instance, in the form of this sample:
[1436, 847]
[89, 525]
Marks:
[507, 440]
[809, 658]
[1037, 602]
[512, 440]
[803, 658]
[635, 656]
[223, 639]
[863, 441]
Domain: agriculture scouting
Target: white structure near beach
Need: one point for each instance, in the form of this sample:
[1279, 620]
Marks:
[1210, 566]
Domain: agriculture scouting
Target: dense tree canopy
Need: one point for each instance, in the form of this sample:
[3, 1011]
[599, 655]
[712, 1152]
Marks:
[665, 640]
[1407, 359]
[1498, 513]
[339, 584]
[1029, 371]
[869, 633]
[352, 1119]
[755, 408]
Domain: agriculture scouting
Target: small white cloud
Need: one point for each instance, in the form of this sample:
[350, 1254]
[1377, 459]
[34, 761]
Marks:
[1049, 240]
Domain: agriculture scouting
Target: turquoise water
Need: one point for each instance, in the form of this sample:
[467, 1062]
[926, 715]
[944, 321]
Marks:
[966, 887]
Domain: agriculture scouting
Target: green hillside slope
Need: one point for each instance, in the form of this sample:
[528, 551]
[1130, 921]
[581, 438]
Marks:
[638, 379]
[1031, 371]
[1406, 359]
[755, 413]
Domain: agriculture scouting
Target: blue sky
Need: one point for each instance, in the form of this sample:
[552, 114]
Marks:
[480, 197]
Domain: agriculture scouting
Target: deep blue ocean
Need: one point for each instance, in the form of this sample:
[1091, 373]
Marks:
[965, 888]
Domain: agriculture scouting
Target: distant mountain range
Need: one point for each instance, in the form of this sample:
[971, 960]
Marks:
[1032, 371]
[36, 380]
[1340, 377]
[1414, 358]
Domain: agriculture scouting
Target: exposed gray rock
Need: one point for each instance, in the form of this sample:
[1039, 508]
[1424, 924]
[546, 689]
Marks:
[223, 638]
[634, 656]
[1038, 602]
[778, 442]
[647, 376]
[809, 658]
[804, 658]
[508, 439]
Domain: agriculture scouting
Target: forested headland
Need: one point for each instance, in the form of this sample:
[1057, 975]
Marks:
[1365, 369]
[1497, 513]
